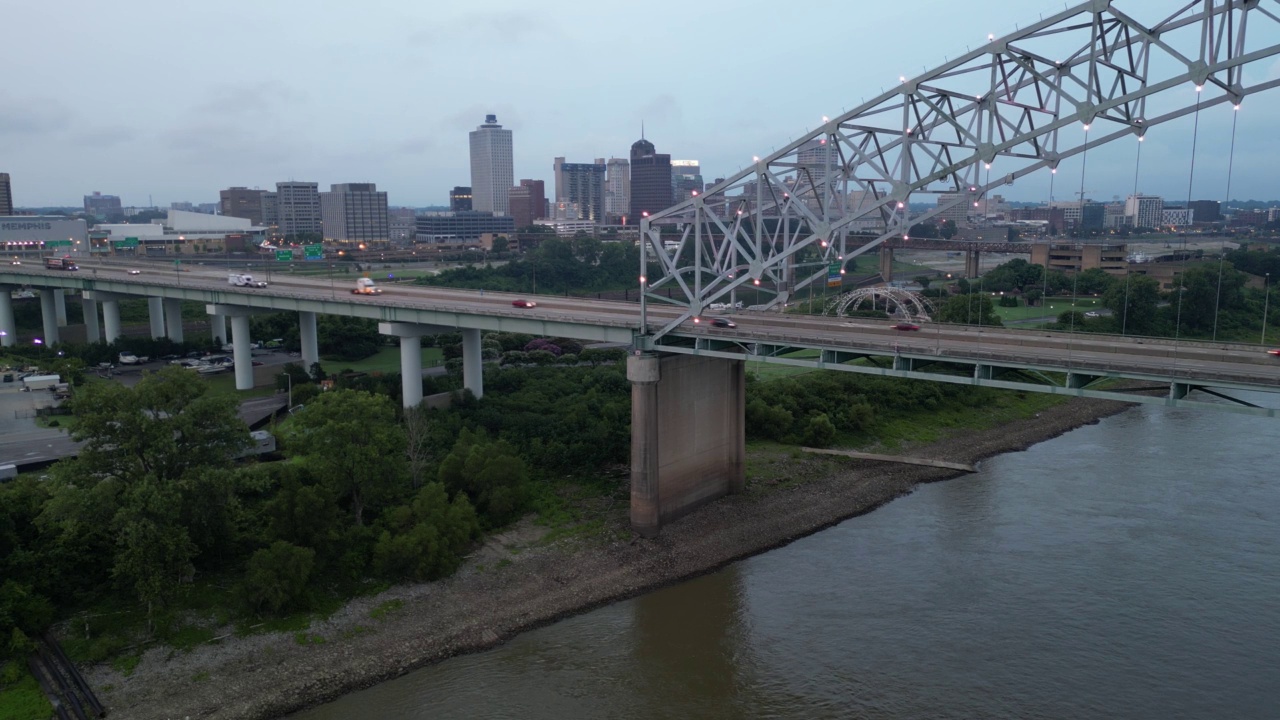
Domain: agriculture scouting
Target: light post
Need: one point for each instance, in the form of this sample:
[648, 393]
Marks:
[1266, 283]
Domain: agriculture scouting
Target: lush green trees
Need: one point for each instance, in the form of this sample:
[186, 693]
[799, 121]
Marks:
[350, 440]
[970, 309]
[1133, 303]
[276, 576]
[427, 538]
[557, 265]
[491, 473]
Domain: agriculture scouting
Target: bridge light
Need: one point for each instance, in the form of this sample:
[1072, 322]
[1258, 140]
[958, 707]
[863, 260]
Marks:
[901, 205]
[902, 78]
[1199, 88]
[697, 320]
[1086, 127]
[990, 37]
[1140, 139]
[643, 279]
[906, 237]
[756, 281]
[1237, 107]
[755, 158]
[825, 119]
[823, 243]
[695, 193]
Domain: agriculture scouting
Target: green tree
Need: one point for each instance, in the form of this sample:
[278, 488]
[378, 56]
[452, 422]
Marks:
[491, 473]
[352, 442]
[971, 309]
[276, 577]
[1133, 304]
[428, 538]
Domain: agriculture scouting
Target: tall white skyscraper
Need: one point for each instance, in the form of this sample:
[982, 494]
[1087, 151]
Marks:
[617, 188]
[492, 174]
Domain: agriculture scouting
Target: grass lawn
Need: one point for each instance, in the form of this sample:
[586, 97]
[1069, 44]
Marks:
[386, 360]
[769, 371]
[1052, 308]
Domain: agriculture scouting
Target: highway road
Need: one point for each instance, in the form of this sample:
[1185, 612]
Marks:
[1009, 346]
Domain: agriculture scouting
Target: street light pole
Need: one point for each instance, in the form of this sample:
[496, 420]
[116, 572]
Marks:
[1266, 283]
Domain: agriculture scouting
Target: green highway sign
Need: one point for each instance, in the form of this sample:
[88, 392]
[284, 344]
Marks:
[313, 252]
[284, 255]
[834, 271]
[129, 242]
[57, 243]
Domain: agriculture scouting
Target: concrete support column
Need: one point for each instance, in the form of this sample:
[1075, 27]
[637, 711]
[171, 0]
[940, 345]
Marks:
[49, 313]
[311, 347]
[92, 334]
[972, 266]
[8, 325]
[472, 363]
[241, 351]
[111, 320]
[886, 263]
[218, 326]
[173, 319]
[643, 372]
[155, 309]
[60, 306]
[411, 370]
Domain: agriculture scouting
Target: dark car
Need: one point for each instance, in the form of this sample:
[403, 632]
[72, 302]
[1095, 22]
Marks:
[906, 326]
[723, 323]
[523, 303]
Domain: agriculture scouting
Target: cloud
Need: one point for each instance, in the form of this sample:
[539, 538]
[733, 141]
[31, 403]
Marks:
[105, 136]
[33, 115]
[663, 109]
[220, 142]
[501, 27]
[257, 98]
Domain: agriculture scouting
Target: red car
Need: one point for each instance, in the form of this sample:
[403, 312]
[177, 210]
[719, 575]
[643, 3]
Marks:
[906, 326]
[1275, 352]
[523, 303]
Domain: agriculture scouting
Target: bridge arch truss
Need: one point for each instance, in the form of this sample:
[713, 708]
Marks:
[1082, 78]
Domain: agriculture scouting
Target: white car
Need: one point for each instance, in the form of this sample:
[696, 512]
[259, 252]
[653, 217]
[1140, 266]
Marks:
[135, 272]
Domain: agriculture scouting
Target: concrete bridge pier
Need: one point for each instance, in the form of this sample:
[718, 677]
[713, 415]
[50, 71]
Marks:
[410, 335]
[155, 310]
[89, 308]
[218, 328]
[688, 435]
[60, 306]
[241, 351]
[110, 314]
[8, 324]
[49, 314]
[972, 266]
[173, 319]
[472, 363]
[886, 263]
[310, 346]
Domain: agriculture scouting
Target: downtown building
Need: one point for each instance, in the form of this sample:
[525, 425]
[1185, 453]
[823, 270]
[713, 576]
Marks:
[528, 202]
[686, 179]
[6, 195]
[1144, 211]
[650, 180]
[461, 227]
[297, 208]
[583, 185]
[492, 167]
[355, 213]
[460, 199]
[617, 190]
[241, 202]
[103, 206]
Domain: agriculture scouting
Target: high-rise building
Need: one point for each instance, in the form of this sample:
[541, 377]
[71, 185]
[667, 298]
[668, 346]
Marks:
[103, 206]
[617, 189]
[583, 184]
[298, 208]
[355, 213]
[528, 201]
[460, 199]
[242, 203]
[270, 210]
[6, 195]
[1144, 211]
[1206, 210]
[492, 169]
[686, 179]
[650, 180]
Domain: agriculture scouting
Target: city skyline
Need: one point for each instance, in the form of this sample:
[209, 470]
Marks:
[200, 136]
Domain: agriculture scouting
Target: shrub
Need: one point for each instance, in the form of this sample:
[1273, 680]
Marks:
[276, 577]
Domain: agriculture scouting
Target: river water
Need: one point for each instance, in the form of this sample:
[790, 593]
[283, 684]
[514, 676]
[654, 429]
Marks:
[1129, 569]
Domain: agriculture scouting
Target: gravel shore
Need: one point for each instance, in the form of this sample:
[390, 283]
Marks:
[268, 676]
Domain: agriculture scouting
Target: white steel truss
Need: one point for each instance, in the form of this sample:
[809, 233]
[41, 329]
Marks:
[1018, 105]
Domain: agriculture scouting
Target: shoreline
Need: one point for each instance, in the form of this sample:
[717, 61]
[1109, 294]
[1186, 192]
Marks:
[272, 675]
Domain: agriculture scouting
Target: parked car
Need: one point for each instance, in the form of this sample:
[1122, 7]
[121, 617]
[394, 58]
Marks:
[523, 303]
[906, 326]
[723, 323]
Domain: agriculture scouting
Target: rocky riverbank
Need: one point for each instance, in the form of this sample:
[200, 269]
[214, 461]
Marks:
[377, 638]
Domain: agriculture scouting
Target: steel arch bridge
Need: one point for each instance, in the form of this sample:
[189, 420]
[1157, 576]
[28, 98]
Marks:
[906, 304]
[1079, 79]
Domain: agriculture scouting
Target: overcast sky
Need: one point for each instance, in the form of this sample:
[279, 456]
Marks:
[176, 100]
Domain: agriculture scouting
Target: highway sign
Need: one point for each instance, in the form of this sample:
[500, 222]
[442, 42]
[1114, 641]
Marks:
[284, 255]
[57, 243]
[313, 252]
[834, 273]
[129, 242]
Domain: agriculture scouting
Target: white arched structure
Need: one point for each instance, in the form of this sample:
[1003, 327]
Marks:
[906, 304]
